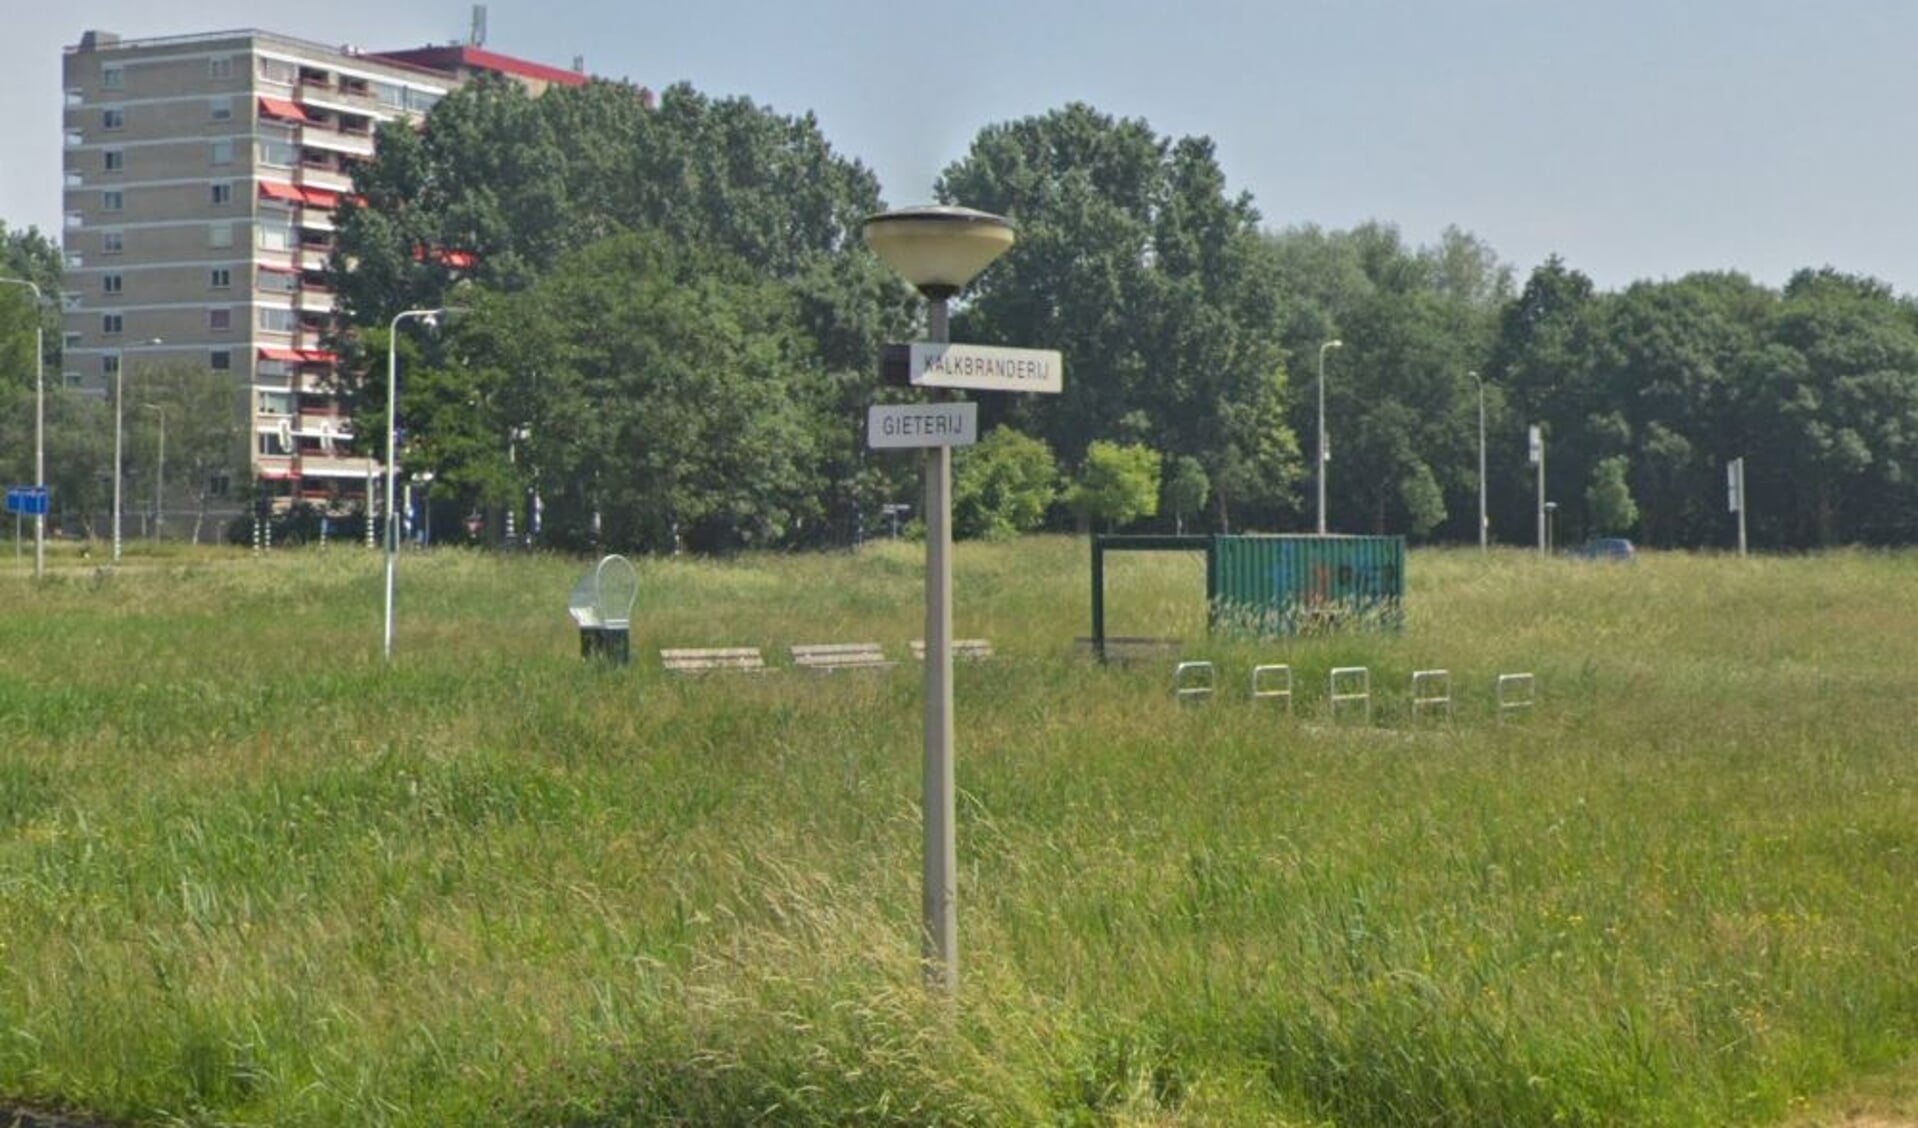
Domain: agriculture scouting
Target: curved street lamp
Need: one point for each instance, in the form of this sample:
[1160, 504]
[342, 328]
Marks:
[39, 422]
[939, 250]
[1334, 343]
[431, 317]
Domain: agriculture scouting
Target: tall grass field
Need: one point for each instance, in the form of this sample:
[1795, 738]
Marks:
[252, 874]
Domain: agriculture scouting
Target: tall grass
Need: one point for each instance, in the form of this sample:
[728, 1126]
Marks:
[251, 874]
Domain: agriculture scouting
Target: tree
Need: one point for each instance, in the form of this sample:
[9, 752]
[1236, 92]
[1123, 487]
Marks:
[502, 189]
[1609, 498]
[1134, 261]
[1002, 485]
[206, 433]
[1186, 488]
[669, 396]
[1117, 484]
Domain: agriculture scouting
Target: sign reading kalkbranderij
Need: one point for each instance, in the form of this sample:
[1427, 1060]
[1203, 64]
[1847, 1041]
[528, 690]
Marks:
[983, 368]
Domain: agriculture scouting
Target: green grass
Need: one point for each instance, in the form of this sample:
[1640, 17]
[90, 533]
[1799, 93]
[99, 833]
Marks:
[250, 874]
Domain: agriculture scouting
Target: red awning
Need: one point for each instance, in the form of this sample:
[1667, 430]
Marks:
[321, 198]
[273, 190]
[282, 109]
[298, 356]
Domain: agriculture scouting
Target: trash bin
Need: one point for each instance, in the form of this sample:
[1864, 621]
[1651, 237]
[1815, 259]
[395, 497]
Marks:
[602, 605]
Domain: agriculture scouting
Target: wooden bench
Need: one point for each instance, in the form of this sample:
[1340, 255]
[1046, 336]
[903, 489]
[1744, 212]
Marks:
[693, 661]
[841, 656]
[973, 649]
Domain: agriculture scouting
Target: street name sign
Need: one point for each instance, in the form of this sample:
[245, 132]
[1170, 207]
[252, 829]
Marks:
[896, 425]
[979, 368]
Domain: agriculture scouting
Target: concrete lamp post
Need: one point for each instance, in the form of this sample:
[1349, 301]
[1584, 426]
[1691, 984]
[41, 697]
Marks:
[1323, 453]
[39, 422]
[939, 250]
[119, 431]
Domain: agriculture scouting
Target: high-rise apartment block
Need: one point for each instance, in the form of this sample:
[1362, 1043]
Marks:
[202, 173]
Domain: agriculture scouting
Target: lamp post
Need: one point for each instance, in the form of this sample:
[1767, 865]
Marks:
[939, 250]
[1484, 524]
[39, 423]
[430, 317]
[1335, 343]
[159, 476]
[119, 430]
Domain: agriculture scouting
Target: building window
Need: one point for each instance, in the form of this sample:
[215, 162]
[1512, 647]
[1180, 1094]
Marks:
[278, 282]
[219, 320]
[112, 78]
[275, 320]
[111, 323]
[217, 485]
[114, 118]
[110, 364]
[113, 160]
[110, 283]
[222, 194]
[70, 379]
[219, 109]
[112, 242]
[76, 137]
[219, 235]
[275, 403]
[273, 444]
[220, 66]
[220, 360]
[112, 200]
[70, 340]
[276, 70]
[276, 236]
[219, 278]
[223, 151]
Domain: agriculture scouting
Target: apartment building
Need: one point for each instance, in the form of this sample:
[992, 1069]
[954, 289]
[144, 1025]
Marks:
[201, 177]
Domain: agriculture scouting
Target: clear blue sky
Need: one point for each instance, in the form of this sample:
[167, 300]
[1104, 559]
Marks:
[1636, 138]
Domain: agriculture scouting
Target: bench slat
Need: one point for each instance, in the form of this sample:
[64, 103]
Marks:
[972, 648]
[841, 656]
[692, 660]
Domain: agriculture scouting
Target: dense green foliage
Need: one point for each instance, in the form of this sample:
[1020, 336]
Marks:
[250, 874]
[1187, 329]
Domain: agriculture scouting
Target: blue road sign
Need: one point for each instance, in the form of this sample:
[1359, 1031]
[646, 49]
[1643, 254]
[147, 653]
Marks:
[28, 501]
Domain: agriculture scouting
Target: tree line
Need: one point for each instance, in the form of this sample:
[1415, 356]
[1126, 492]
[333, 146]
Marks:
[670, 330]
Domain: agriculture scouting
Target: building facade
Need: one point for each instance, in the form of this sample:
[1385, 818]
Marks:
[201, 177]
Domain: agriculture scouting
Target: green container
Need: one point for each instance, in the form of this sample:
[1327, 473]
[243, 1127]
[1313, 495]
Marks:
[1295, 584]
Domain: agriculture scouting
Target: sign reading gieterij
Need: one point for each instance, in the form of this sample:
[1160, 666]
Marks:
[894, 425]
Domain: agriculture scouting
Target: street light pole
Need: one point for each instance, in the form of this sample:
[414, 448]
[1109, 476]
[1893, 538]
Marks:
[1335, 343]
[1484, 524]
[939, 250]
[430, 317]
[119, 431]
[39, 423]
[159, 476]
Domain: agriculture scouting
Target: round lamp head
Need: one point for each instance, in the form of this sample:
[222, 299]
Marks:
[938, 249]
